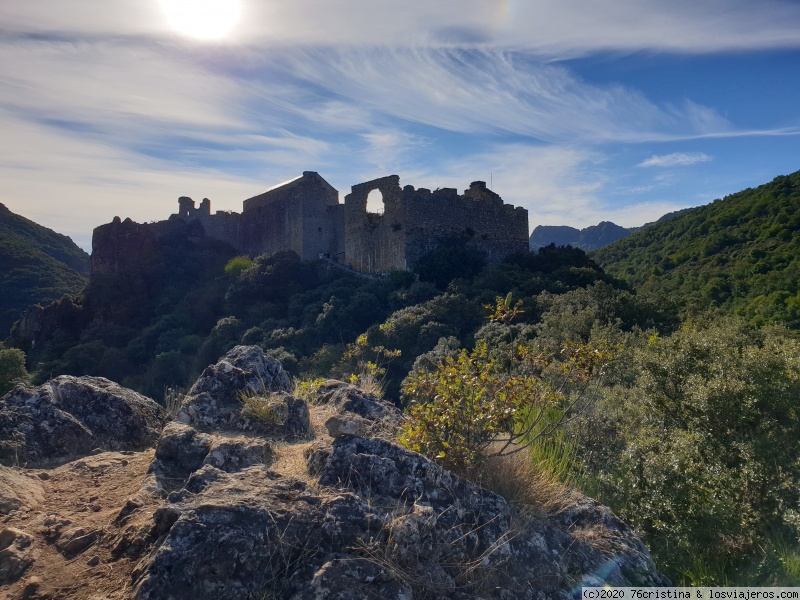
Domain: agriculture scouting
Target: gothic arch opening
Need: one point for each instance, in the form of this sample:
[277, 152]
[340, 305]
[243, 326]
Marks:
[375, 202]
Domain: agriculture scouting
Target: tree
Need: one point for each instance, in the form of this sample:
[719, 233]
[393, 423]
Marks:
[12, 369]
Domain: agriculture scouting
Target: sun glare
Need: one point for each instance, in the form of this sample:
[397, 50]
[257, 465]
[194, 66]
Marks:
[202, 19]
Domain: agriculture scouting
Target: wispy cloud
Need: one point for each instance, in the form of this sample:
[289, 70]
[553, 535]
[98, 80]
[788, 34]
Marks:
[489, 91]
[676, 159]
[552, 27]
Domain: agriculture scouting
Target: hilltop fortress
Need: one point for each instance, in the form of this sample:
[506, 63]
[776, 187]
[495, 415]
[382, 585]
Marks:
[304, 215]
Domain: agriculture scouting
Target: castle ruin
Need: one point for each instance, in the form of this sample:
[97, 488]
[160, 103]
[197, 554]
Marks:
[304, 215]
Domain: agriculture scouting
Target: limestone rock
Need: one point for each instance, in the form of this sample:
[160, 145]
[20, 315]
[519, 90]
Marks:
[354, 579]
[18, 490]
[15, 554]
[214, 401]
[181, 450]
[350, 399]
[70, 416]
[247, 534]
[349, 426]
[237, 453]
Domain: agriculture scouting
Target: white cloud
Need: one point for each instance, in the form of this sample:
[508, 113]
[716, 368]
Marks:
[490, 91]
[676, 159]
[553, 27]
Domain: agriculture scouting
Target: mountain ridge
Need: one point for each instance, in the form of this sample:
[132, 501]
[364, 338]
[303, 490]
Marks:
[37, 265]
[741, 252]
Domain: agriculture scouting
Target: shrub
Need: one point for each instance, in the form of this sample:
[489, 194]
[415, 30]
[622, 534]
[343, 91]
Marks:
[703, 460]
[236, 265]
[468, 409]
[12, 369]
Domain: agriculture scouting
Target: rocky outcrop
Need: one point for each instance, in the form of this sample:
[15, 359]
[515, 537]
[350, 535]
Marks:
[71, 416]
[216, 399]
[367, 518]
[366, 412]
[241, 501]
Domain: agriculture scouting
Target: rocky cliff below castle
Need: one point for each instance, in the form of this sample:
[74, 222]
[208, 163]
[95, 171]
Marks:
[307, 498]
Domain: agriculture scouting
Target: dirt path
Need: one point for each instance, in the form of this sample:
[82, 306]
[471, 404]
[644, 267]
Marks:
[76, 547]
[74, 531]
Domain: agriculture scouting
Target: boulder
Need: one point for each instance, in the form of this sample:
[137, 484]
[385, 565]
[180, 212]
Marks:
[72, 416]
[347, 398]
[248, 534]
[180, 451]
[347, 426]
[215, 399]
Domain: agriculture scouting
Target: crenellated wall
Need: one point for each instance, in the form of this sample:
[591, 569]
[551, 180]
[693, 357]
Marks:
[415, 222]
[304, 215]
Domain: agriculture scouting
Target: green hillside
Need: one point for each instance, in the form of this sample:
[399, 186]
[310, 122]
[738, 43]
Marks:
[37, 266]
[741, 253]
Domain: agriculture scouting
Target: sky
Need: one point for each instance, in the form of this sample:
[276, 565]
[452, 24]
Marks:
[580, 111]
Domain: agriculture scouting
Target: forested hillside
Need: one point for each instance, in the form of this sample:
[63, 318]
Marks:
[741, 253]
[37, 265]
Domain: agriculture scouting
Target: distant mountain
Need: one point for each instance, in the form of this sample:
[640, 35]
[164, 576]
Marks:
[589, 238]
[37, 266]
[741, 253]
[586, 239]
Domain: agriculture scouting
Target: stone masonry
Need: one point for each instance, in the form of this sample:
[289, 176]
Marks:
[304, 215]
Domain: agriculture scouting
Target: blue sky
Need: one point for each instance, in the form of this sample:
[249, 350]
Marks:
[580, 111]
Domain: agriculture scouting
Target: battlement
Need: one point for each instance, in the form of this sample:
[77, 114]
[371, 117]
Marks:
[303, 214]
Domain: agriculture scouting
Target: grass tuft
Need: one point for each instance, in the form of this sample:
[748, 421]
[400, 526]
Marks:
[269, 410]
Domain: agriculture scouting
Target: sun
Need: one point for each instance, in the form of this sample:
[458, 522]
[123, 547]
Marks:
[202, 19]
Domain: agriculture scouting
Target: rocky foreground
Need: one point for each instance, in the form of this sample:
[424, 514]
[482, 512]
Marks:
[292, 501]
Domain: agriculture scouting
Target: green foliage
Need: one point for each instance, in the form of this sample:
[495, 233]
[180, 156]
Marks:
[450, 261]
[37, 266]
[469, 409]
[12, 368]
[235, 266]
[696, 454]
[178, 311]
[741, 253]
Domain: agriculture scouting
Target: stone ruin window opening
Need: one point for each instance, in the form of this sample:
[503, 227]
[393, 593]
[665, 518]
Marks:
[375, 204]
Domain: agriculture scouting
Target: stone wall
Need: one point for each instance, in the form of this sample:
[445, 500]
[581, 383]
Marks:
[478, 216]
[415, 222]
[304, 215]
[375, 243]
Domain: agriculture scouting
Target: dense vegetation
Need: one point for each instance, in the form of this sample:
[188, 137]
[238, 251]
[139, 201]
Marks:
[195, 300]
[741, 253]
[37, 266]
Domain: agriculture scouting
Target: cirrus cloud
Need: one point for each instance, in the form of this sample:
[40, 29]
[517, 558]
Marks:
[676, 159]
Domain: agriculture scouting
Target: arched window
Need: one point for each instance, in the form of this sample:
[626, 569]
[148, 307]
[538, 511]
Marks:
[375, 202]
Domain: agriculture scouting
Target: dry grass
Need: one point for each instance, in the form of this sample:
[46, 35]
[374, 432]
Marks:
[369, 383]
[269, 409]
[532, 490]
[290, 461]
[599, 537]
